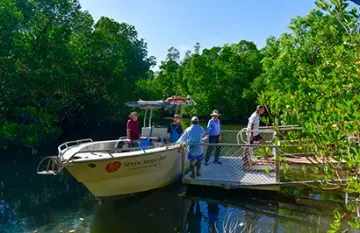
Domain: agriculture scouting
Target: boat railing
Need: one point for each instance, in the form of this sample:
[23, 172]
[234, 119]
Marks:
[104, 145]
[53, 166]
[64, 146]
[113, 147]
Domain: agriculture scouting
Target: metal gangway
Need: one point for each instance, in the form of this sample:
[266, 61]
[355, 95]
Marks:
[242, 163]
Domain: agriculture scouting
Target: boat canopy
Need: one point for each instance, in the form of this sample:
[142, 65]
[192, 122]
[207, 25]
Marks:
[151, 105]
[158, 104]
[147, 105]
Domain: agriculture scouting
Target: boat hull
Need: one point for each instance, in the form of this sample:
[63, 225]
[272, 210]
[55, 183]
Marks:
[120, 176]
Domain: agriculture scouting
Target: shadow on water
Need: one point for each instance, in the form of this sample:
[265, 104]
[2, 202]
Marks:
[30, 202]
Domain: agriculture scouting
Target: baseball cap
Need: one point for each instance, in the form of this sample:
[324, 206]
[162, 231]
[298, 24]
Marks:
[259, 107]
[194, 118]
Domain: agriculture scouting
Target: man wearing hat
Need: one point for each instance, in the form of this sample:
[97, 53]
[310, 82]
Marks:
[132, 127]
[174, 130]
[193, 136]
[213, 130]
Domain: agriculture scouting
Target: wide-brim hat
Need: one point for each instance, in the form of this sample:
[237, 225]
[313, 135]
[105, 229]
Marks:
[133, 114]
[215, 113]
[177, 116]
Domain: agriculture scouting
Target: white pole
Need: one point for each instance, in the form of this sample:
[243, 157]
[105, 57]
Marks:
[145, 118]
[151, 111]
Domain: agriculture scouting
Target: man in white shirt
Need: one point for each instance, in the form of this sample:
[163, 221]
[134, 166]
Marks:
[253, 135]
[253, 126]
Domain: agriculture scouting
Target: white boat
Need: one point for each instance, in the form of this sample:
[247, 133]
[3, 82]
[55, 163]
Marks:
[114, 168]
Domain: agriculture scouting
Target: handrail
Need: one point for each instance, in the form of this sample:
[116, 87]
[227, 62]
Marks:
[120, 150]
[279, 126]
[109, 141]
[166, 147]
[266, 129]
[97, 143]
[97, 151]
[78, 142]
[50, 170]
[174, 144]
[232, 144]
[239, 135]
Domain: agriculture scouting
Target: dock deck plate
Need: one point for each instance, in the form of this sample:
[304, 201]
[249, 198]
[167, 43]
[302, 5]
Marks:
[230, 174]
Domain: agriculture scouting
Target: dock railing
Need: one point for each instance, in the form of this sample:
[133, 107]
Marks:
[234, 168]
[242, 164]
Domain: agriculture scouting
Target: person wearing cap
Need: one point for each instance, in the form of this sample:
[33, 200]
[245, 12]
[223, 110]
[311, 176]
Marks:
[193, 136]
[132, 127]
[253, 125]
[213, 130]
[174, 130]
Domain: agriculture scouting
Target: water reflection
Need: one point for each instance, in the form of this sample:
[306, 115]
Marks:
[158, 211]
[213, 212]
[30, 202]
[193, 218]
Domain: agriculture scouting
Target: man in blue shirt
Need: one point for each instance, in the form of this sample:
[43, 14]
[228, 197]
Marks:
[174, 130]
[213, 130]
[193, 136]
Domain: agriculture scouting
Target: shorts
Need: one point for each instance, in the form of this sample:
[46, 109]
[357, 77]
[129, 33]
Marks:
[196, 157]
[256, 138]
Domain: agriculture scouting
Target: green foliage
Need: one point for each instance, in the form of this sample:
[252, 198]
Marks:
[312, 79]
[58, 68]
[336, 225]
[216, 78]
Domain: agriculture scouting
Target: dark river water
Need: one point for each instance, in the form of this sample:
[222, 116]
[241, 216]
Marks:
[35, 203]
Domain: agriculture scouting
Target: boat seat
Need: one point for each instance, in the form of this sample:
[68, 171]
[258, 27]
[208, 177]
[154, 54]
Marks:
[155, 132]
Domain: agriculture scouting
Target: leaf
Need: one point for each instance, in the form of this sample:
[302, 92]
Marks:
[337, 214]
[349, 190]
[267, 171]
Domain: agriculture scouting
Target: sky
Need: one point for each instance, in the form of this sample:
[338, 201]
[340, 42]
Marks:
[166, 23]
